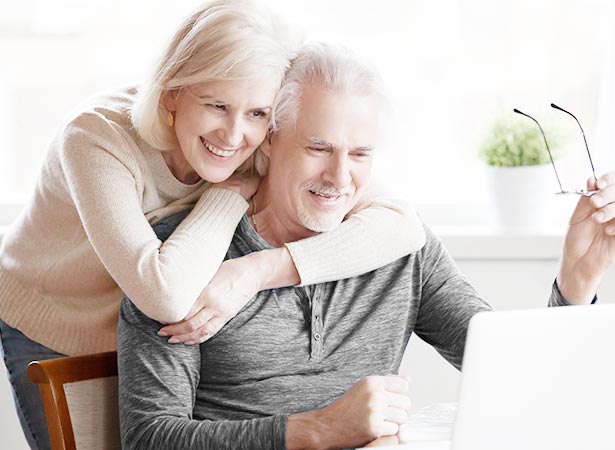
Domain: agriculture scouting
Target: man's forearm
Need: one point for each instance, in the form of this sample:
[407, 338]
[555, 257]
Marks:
[157, 391]
[577, 288]
[170, 433]
[306, 431]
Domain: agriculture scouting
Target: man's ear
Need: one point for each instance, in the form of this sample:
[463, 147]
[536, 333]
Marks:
[266, 145]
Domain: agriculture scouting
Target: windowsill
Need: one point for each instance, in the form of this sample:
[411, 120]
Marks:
[481, 243]
[465, 243]
[465, 240]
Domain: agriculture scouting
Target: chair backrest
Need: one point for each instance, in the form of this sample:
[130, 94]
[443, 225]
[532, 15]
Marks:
[80, 400]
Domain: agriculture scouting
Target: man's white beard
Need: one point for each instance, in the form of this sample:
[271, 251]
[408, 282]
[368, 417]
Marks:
[318, 224]
[325, 222]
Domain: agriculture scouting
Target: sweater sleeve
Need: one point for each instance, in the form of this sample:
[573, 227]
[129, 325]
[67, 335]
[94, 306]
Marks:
[157, 391]
[378, 231]
[104, 182]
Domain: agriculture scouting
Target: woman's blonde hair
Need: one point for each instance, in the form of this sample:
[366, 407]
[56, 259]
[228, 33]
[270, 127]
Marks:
[223, 40]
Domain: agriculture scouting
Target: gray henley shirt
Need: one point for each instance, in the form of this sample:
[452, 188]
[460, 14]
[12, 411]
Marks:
[288, 350]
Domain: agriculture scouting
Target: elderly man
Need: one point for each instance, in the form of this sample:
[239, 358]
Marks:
[310, 367]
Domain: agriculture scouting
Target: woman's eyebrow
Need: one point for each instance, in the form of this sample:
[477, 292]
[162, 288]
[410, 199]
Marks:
[204, 97]
[209, 97]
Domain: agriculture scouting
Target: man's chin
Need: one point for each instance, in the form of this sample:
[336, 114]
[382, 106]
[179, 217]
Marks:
[320, 224]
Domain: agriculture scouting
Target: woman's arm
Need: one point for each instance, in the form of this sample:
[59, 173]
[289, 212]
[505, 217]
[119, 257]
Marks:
[235, 283]
[379, 230]
[104, 178]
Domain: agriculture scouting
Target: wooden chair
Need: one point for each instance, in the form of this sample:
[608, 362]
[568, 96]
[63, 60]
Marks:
[80, 400]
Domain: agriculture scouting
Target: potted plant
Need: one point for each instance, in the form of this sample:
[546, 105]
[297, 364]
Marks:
[520, 176]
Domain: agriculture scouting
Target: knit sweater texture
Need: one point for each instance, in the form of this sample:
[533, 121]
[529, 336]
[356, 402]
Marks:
[86, 236]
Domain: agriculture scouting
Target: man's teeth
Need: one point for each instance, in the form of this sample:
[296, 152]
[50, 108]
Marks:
[328, 197]
[217, 151]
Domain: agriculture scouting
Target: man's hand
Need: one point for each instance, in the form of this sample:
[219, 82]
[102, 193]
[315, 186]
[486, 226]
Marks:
[372, 408]
[589, 247]
[384, 441]
[235, 283]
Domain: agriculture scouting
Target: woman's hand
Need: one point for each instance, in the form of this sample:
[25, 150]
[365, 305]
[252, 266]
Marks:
[235, 283]
[243, 184]
[589, 247]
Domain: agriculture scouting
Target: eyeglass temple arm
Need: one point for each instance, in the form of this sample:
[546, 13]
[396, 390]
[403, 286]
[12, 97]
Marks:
[546, 144]
[553, 105]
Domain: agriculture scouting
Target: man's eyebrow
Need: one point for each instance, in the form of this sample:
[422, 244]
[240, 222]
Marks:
[321, 142]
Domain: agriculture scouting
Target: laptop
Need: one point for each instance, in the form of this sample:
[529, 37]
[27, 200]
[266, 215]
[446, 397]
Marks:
[539, 379]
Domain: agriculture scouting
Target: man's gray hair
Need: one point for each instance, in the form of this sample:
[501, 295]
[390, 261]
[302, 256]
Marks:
[335, 68]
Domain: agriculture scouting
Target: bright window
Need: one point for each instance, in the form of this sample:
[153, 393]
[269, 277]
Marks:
[451, 66]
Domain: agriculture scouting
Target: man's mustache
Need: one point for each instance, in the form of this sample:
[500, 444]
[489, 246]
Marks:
[328, 189]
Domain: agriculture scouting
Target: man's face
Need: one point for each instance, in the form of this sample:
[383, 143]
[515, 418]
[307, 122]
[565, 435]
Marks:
[318, 170]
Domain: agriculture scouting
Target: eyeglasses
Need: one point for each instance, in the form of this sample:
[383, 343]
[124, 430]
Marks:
[562, 191]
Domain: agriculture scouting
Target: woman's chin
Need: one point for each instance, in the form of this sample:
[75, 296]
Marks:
[216, 175]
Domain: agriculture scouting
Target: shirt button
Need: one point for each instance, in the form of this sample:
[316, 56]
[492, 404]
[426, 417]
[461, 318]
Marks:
[316, 317]
[316, 337]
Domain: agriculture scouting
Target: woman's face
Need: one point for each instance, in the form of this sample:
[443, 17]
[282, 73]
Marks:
[220, 124]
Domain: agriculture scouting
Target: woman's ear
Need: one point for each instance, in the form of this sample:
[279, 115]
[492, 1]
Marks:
[169, 100]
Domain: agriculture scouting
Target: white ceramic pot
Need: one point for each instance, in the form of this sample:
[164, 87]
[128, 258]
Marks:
[521, 197]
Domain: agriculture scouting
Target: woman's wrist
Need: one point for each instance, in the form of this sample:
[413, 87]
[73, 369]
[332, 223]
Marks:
[276, 268]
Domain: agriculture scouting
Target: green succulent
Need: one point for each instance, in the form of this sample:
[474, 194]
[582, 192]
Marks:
[516, 142]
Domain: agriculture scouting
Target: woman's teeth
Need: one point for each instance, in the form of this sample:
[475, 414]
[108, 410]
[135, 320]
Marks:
[217, 151]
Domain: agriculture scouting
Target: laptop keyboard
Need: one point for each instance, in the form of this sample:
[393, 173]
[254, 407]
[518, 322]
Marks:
[431, 424]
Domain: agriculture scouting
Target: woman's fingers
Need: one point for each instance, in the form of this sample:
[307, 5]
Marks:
[188, 326]
[202, 334]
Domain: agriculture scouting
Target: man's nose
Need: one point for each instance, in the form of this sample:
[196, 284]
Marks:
[338, 171]
[232, 133]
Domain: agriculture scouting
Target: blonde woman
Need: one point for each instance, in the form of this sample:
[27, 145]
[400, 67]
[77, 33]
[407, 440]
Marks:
[185, 140]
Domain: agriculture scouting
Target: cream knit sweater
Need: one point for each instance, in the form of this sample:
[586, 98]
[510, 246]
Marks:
[85, 236]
